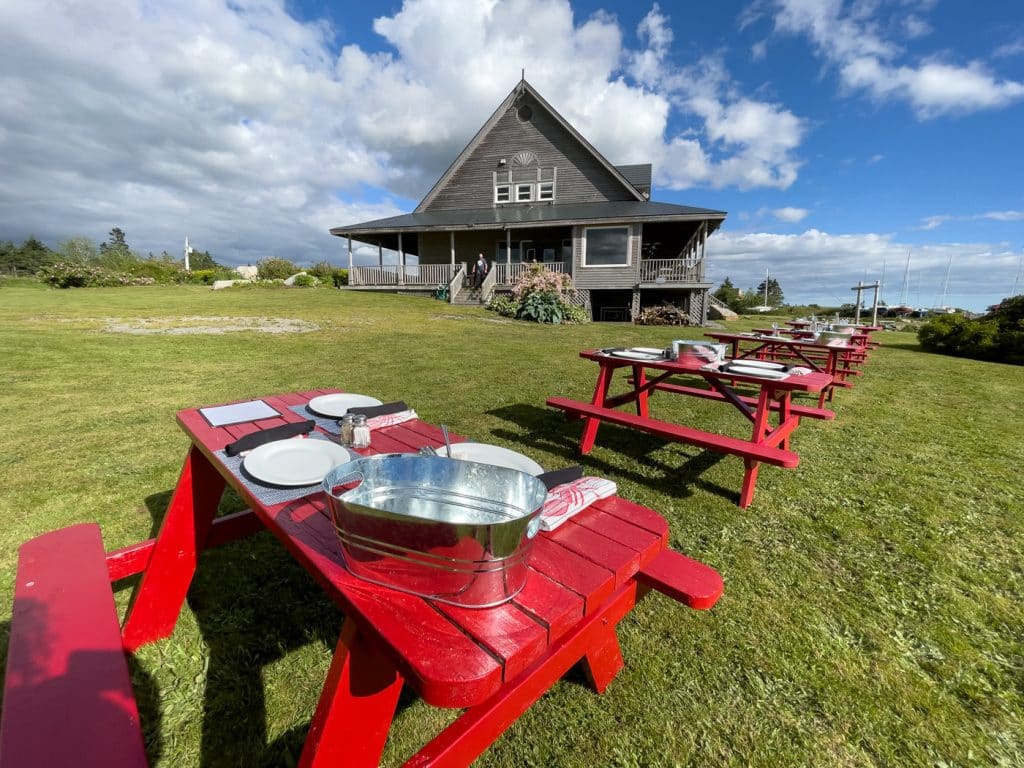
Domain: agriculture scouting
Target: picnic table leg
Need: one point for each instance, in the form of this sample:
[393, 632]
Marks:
[590, 424]
[639, 379]
[785, 411]
[356, 707]
[761, 424]
[165, 582]
[749, 481]
[603, 661]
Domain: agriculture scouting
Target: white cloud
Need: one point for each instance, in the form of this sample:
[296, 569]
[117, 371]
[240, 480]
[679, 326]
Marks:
[865, 61]
[934, 222]
[790, 214]
[1007, 50]
[248, 129]
[819, 267]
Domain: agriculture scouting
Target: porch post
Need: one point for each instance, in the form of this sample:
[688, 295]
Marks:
[380, 254]
[349, 254]
[401, 261]
[451, 242]
[508, 256]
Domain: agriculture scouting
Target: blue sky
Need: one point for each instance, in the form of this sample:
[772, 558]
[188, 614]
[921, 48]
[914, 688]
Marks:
[839, 136]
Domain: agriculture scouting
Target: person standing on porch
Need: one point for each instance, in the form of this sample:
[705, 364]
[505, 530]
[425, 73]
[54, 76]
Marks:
[479, 270]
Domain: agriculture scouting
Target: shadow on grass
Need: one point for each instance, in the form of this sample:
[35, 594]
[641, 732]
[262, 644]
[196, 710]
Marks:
[256, 608]
[548, 430]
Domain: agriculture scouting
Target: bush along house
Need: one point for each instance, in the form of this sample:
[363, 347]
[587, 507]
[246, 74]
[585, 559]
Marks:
[529, 188]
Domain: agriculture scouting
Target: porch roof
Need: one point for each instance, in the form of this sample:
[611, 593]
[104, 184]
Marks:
[512, 216]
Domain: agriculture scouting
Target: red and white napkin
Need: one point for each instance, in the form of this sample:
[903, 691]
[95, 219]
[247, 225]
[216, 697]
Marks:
[566, 500]
[390, 419]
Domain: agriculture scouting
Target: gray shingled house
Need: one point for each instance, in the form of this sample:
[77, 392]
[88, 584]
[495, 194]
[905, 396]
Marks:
[529, 188]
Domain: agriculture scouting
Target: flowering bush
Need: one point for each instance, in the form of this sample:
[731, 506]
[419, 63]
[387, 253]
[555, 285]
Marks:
[539, 279]
[75, 275]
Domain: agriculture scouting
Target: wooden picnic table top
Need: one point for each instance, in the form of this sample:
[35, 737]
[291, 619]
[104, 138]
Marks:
[583, 578]
[808, 382]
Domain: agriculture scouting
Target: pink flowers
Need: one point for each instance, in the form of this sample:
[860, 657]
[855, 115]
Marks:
[539, 279]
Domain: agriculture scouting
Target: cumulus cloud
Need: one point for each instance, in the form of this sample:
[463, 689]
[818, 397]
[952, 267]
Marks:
[819, 267]
[790, 214]
[849, 38]
[251, 131]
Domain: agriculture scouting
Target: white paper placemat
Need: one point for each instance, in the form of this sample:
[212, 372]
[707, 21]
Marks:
[253, 410]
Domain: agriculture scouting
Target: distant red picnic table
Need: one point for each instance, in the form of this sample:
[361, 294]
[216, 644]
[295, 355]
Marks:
[767, 443]
[584, 578]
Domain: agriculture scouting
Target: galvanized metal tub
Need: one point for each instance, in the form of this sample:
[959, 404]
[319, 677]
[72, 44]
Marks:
[455, 531]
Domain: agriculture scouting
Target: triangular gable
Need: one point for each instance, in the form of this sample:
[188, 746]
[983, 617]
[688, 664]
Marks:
[524, 87]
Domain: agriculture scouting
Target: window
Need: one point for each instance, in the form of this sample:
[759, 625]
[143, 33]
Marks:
[606, 247]
[524, 193]
[502, 193]
[546, 190]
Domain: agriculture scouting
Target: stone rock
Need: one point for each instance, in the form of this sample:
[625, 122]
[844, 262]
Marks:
[218, 284]
[248, 272]
[291, 280]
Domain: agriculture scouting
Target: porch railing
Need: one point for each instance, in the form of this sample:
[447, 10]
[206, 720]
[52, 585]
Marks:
[457, 282]
[431, 275]
[669, 271]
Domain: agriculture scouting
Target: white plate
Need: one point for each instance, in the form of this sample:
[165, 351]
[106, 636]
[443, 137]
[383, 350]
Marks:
[493, 454]
[633, 355]
[759, 364]
[297, 461]
[764, 373]
[337, 406]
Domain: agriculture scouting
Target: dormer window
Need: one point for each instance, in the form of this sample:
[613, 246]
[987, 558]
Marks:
[524, 181]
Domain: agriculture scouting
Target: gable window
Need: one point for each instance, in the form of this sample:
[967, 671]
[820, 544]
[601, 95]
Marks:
[524, 193]
[502, 193]
[546, 190]
[606, 247]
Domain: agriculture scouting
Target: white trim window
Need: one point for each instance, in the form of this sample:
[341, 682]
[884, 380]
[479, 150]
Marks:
[502, 193]
[606, 247]
[546, 190]
[524, 193]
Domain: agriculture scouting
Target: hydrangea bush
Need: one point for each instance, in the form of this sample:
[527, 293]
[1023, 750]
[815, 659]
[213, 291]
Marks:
[539, 295]
[66, 274]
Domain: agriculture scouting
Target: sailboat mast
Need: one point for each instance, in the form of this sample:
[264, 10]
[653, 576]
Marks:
[945, 283]
[906, 279]
[767, 277]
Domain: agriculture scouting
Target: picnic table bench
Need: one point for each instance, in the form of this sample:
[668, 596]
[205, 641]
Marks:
[67, 649]
[768, 444]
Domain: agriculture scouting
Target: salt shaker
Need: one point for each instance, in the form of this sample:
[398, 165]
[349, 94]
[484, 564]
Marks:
[347, 427]
[360, 432]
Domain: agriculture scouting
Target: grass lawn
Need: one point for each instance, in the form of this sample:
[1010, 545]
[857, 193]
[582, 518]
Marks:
[873, 612]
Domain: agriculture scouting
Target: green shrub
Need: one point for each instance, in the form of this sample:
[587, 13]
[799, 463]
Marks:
[322, 269]
[339, 277]
[306, 281]
[504, 305]
[75, 275]
[275, 269]
[999, 336]
[574, 314]
[542, 307]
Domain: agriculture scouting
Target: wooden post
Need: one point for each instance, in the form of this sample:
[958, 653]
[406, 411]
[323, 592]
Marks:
[349, 238]
[401, 261]
[380, 254]
[508, 255]
[451, 243]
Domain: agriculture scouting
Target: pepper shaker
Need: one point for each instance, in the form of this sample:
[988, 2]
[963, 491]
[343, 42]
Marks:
[347, 424]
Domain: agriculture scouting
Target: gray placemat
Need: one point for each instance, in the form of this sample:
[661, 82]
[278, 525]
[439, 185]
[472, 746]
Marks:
[326, 423]
[268, 495]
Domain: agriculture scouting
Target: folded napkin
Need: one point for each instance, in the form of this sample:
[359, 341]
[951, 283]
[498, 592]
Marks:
[560, 476]
[566, 500]
[390, 419]
[800, 370]
[370, 411]
[257, 439]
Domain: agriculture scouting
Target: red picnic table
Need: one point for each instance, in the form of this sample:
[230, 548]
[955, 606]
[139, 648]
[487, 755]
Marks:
[837, 360]
[767, 443]
[583, 579]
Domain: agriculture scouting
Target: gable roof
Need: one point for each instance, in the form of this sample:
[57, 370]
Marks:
[523, 87]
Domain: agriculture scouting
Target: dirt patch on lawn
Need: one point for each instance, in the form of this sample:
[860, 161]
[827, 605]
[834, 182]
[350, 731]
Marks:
[182, 326]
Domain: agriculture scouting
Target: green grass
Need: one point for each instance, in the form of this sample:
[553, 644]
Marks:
[873, 608]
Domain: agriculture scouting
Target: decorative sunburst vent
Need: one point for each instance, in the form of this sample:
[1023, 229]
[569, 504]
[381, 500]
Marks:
[524, 158]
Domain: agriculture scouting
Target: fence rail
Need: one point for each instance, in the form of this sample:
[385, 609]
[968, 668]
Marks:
[669, 271]
[423, 274]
